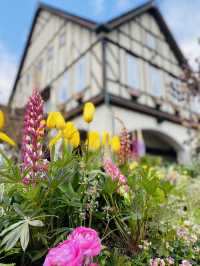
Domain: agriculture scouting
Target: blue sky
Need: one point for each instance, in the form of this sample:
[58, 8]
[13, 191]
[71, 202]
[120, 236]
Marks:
[182, 16]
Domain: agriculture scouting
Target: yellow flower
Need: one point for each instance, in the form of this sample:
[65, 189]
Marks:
[105, 138]
[133, 165]
[55, 120]
[115, 143]
[69, 130]
[93, 140]
[3, 136]
[88, 112]
[75, 140]
[55, 139]
[2, 120]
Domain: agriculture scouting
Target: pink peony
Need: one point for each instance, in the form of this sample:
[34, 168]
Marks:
[88, 240]
[68, 253]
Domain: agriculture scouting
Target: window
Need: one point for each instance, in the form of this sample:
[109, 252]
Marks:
[155, 78]
[62, 39]
[151, 41]
[39, 65]
[133, 72]
[63, 93]
[50, 53]
[80, 75]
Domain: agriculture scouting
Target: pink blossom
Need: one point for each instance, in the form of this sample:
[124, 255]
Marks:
[113, 171]
[32, 155]
[185, 263]
[170, 261]
[88, 241]
[94, 264]
[67, 253]
[154, 262]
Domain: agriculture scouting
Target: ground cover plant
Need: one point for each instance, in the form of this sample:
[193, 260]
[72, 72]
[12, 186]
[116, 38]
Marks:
[70, 201]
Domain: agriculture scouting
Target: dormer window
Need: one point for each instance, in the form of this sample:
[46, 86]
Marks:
[133, 72]
[155, 82]
[151, 41]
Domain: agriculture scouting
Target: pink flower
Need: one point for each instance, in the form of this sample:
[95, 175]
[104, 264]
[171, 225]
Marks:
[94, 264]
[185, 263]
[113, 171]
[32, 155]
[67, 253]
[88, 241]
[170, 261]
[154, 262]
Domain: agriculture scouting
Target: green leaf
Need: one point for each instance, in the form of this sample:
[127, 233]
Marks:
[24, 237]
[37, 223]
[11, 227]
[11, 238]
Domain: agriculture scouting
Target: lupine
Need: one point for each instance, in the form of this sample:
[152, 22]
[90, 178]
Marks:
[125, 146]
[32, 155]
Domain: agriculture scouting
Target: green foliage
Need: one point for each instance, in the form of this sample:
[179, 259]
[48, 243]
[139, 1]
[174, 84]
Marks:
[78, 192]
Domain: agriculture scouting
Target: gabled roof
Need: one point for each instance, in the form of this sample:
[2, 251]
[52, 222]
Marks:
[105, 27]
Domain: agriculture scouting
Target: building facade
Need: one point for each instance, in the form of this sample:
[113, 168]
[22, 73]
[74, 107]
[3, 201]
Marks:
[130, 67]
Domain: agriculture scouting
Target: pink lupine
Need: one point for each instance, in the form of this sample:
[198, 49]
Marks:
[67, 253]
[125, 146]
[32, 155]
[114, 172]
[88, 240]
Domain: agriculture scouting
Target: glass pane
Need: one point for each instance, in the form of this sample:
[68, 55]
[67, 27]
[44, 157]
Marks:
[155, 77]
[151, 41]
[80, 82]
[63, 95]
[133, 72]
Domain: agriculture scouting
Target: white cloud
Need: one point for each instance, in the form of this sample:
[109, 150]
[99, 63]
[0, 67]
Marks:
[98, 6]
[7, 73]
[183, 19]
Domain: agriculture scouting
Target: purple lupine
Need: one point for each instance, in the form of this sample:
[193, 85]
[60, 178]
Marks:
[32, 155]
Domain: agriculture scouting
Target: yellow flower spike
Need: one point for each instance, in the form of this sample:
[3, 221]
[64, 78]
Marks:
[105, 138]
[115, 143]
[55, 139]
[55, 120]
[88, 112]
[7, 139]
[75, 139]
[2, 120]
[93, 140]
[69, 130]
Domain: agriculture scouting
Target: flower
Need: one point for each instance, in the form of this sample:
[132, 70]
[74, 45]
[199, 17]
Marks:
[105, 138]
[125, 146]
[75, 139]
[3, 136]
[170, 261]
[2, 119]
[55, 120]
[115, 144]
[93, 140]
[67, 253]
[88, 112]
[88, 240]
[68, 133]
[113, 171]
[32, 155]
[94, 264]
[185, 263]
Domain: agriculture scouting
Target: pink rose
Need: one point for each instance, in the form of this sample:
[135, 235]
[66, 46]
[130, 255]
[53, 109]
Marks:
[88, 240]
[67, 253]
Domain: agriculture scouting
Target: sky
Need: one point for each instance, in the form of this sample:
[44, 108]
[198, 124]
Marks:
[182, 17]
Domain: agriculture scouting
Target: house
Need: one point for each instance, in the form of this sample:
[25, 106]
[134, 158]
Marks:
[130, 67]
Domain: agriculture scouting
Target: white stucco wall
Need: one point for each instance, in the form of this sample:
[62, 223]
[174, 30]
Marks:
[105, 120]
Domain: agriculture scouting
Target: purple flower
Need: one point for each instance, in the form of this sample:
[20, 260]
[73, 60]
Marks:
[32, 155]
